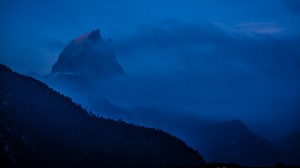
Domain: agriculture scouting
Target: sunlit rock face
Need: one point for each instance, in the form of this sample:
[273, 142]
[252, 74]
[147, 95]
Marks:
[90, 56]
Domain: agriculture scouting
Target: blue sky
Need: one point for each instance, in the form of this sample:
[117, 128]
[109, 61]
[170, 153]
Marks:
[31, 24]
[235, 58]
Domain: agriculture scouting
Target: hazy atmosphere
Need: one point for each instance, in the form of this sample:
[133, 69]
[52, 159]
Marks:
[216, 59]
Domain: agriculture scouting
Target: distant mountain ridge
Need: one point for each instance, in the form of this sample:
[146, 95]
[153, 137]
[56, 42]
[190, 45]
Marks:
[290, 146]
[42, 128]
[231, 141]
[90, 56]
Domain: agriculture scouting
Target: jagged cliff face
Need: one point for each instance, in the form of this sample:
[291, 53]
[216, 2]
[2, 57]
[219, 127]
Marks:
[89, 56]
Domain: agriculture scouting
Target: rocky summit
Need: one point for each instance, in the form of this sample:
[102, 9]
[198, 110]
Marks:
[90, 56]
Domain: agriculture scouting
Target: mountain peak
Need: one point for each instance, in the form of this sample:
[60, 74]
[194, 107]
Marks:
[90, 56]
[94, 36]
[235, 123]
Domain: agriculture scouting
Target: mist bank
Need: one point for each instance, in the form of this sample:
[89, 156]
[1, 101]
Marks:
[249, 98]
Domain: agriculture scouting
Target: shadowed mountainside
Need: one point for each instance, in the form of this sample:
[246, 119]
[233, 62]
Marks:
[42, 128]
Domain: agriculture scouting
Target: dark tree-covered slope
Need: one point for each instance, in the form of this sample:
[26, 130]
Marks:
[41, 128]
[290, 147]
